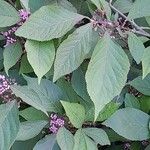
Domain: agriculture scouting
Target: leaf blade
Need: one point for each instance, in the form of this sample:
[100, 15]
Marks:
[146, 62]
[136, 47]
[9, 124]
[137, 10]
[108, 67]
[65, 139]
[41, 56]
[82, 141]
[75, 113]
[9, 16]
[30, 129]
[130, 123]
[48, 22]
[73, 51]
[11, 54]
[98, 135]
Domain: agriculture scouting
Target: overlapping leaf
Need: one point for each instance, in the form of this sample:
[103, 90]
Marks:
[32, 114]
[73, 51]
[123, 5]
[47, 143]
[146, 62]
[9, 16]
[131, 101]
[49, 22]
[41, 56]
[107, 72]
[140, 9]
[75, 112]
[130, 123]
[82, 141]
[44, 97]
[12, 54]
[30, 129]
[142, 85]
[9, 125]
[98, 135]
[136, 47]
[65, 139]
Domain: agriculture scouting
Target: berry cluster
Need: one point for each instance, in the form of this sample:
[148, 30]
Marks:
[5, 92]
[9, 35]
[24, 15]
[55, 123]
[4, 84]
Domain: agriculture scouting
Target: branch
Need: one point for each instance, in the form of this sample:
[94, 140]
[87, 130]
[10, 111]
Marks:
[138, 30]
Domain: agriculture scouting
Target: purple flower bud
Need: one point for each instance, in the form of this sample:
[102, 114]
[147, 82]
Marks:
[53, 129]
[24, 14]
[5, 91]
[55, 123]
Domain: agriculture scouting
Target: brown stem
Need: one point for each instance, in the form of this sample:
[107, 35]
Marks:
[138, 30]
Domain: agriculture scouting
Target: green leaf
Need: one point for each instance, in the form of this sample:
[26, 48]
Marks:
[75, 112]
[142, 85]
[9, 125]
[12, 54]
[30, 97]
[137, 10]
[107, 72]
[32, 114]
[97, 3]
[107, 111]
[106, 8]
[26, 145]
[123, 5]
[144, 39]
[113, 136]
[48, 22]
[1, 37]
[67, 88]
[131, 101]
[146, 62]
[25, 66]
[44, 97]
[130, 123]
[30, 129]
[136, 47]
[98, 135]
[25, 4]
[9, 16]
[79, 85]
[145, 103]
[41, 56]
[148, 147]
[47, 143]
[67, 5]
[65, 139]
[82, 141]
[148, 20]
[73, 51]
[34, 5]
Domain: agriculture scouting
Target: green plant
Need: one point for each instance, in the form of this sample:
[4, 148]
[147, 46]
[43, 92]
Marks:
[74, 74]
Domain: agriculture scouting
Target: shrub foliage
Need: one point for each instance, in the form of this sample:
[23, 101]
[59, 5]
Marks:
[74, 74]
